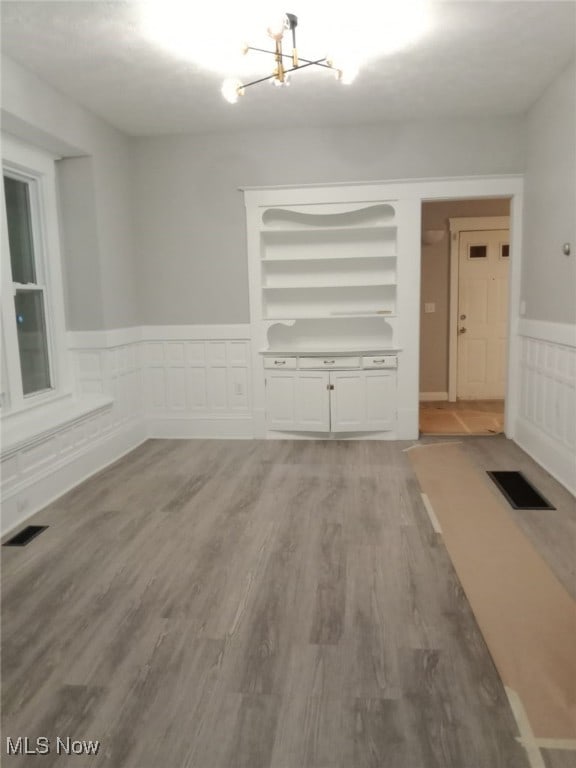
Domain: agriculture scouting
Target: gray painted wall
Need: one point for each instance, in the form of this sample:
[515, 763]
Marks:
[178, 195]
[435, 286]
[79, 239]
[35, 112]
[549, 277]
[189, 214]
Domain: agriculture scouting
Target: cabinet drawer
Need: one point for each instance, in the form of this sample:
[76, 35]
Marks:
[322, 363]
[280, 362]
[380, 361]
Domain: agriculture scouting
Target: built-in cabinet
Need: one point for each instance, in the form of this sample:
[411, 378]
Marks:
[330, 401]
[325, 293]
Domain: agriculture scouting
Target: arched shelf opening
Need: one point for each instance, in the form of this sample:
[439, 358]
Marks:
[286, 218]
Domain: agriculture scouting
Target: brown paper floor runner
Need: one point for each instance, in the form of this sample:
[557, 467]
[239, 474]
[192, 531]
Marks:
[527, 617]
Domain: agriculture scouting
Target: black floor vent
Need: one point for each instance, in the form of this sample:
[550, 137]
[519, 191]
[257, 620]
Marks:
[520, 493]
[25, 536]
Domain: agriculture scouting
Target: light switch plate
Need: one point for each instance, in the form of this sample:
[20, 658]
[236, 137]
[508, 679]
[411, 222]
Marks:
[429, 307]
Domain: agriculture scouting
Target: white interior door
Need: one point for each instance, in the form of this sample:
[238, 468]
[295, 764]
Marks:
[482, 314]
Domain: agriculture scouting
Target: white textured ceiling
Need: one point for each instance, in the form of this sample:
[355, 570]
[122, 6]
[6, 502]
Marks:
[479, 59]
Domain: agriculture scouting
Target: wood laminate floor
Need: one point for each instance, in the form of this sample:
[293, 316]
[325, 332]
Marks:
[464, 417]
[237, 604]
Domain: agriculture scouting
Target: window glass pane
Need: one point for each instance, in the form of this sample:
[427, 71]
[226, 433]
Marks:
[478, 251]
[32, 341]
[20, 230]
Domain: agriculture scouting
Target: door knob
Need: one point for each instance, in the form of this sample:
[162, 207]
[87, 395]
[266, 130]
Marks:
[462, 330]
[462, 317]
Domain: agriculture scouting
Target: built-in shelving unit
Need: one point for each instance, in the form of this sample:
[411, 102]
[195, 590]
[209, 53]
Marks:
[329, 266]
[325, 305]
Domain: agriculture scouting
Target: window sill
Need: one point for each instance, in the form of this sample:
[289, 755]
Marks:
[23, 429]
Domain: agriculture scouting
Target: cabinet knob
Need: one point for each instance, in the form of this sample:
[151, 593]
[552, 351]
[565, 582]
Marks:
[329, 362]
[279, 362]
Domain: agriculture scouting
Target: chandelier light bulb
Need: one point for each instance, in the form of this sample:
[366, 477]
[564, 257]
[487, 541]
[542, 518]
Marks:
[348, 75]
[276, 29]
[231, 89]
[345, 71]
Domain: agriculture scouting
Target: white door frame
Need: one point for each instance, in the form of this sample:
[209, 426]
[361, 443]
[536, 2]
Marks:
[458, 225]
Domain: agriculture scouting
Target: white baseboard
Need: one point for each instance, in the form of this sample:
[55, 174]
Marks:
[556, 458]
[25, 500]
[186, 428]
[430, 397]
[328, 436]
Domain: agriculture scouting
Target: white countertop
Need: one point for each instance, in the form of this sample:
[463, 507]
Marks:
[330, 351]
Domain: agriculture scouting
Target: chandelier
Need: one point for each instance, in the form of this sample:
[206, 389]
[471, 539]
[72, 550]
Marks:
[285, 63]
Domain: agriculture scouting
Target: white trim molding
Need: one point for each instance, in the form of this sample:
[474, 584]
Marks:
[546, 424]
[117, 337]
[432, 397]
[543, 330]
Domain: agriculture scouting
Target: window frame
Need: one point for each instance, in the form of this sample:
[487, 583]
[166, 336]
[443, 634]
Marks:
[37, 169]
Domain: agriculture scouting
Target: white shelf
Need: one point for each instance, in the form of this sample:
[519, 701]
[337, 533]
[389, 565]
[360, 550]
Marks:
[383, 315]
[325, 286]
[329, 285]
[323, 351]
[308, 259]
[268, 230]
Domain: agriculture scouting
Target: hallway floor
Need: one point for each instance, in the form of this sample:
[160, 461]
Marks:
[464, 417]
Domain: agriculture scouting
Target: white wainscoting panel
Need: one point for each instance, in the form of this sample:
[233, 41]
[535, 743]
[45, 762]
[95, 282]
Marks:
[161, 381]
[196, 387]
[41, 470]
[546, 427]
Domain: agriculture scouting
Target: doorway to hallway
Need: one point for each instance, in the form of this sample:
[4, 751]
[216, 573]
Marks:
[464, 316]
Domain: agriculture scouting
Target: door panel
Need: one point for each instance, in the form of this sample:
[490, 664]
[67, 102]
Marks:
[312, 402]
[380, 395]
[363, 401]
[483, 314]
[281, 400]
[347, 399]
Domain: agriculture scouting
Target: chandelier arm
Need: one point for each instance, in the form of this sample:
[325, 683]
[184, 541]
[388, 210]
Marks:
[292, 69]
[272, 53]
[289, 56]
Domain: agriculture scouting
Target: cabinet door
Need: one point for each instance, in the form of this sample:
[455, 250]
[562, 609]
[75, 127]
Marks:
[313, 402]
[363, 401]
[379, 400]
[297, 401]
[347, 406]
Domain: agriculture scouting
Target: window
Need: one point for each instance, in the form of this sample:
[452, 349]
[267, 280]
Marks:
[477, 251]
[32, 312]
[29, 292]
